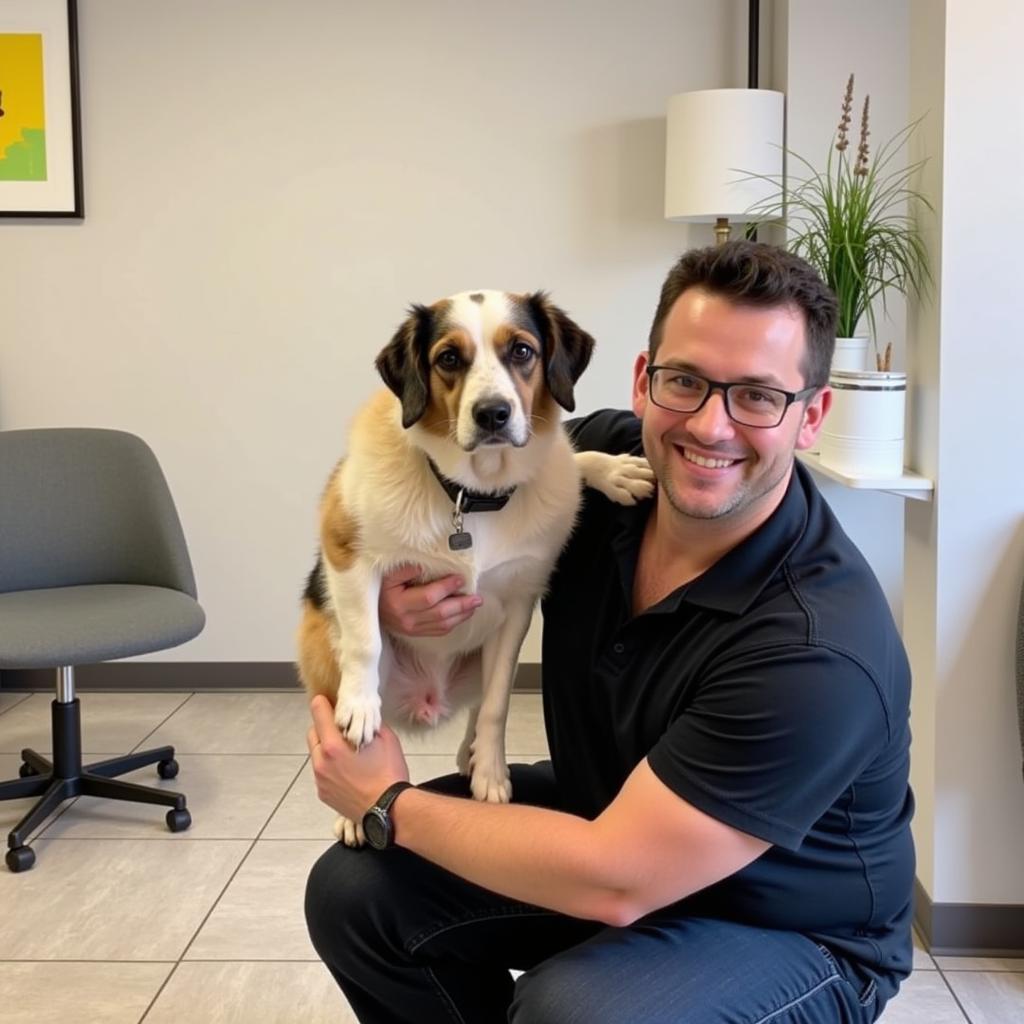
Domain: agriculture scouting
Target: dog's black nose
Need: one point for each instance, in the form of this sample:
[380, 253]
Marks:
[491, 415]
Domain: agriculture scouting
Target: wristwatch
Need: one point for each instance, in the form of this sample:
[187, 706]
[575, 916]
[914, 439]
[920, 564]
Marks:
[378, 827]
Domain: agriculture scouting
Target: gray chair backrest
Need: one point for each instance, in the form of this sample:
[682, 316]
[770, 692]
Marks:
[83, 506]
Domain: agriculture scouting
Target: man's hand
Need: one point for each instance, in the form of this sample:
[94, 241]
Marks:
[409, 608]
[346, 779]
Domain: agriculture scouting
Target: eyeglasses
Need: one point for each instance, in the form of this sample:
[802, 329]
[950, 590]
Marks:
[751, 405]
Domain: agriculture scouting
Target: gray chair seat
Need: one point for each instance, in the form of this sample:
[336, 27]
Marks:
[93, 567]
[86, 624]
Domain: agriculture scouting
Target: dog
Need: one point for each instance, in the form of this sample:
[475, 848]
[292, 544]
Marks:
[460, 466]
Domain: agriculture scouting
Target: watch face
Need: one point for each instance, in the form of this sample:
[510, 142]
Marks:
[376, 828]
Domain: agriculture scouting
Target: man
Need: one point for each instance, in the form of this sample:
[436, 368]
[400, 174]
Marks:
[725, 832]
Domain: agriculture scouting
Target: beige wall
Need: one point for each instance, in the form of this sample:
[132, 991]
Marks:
[268, 185]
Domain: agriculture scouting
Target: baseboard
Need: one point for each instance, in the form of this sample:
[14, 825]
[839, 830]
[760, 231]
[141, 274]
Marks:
[969, 929]
[192, 675]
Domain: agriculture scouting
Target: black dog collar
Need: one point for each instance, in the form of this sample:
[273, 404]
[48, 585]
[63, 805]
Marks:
[472, 501]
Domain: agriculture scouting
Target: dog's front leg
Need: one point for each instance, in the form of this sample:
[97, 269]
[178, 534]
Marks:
[489, 771]
[355, 591]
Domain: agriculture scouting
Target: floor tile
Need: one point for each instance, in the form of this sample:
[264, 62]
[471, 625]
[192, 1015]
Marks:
[251, 993]
[113, 899]
[525, 738]
[980, 963]
[260, 916]
[238, 723]
[924, 998]
[989, 997]
[302, 815]
[8, 700]
[922, 960]
[112, 723]
[100, 993]
[230, 796]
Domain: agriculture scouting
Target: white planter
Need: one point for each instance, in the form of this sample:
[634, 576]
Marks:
[863, 433]
[850, 354]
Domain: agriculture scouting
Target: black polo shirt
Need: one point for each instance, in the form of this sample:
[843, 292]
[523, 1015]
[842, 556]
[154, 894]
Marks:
[772, 693]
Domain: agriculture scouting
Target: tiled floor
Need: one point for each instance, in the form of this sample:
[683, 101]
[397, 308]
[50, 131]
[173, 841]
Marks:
[122, 921]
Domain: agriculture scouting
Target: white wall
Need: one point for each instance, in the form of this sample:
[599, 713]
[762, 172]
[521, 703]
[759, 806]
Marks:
[268, 185]
[965, 552]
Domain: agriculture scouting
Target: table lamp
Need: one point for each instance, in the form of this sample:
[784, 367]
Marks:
[717, 139]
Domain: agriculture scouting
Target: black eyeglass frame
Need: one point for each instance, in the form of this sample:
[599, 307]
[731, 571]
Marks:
[724, 386]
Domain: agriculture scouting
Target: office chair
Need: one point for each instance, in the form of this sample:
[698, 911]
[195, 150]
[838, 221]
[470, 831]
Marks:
[93, 567]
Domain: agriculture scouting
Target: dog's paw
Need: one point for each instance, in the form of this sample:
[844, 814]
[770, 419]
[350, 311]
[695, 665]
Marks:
[358, 718]
[624, 479]
[349, 832]
[489, 780]
[630, 480]
[491, 789]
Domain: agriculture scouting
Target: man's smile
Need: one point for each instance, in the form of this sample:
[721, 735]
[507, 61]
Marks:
[704, 460]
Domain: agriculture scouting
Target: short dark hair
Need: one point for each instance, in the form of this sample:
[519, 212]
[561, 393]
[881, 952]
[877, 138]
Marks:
[757, 274]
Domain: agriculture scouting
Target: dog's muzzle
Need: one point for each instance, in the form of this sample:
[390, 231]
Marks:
[492, 419]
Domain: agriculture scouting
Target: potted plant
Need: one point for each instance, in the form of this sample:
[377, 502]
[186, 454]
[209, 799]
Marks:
[852, 224]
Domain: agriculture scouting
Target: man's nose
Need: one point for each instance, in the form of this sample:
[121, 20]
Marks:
[711, 422]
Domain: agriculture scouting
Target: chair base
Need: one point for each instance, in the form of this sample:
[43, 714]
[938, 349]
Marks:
[65, 777]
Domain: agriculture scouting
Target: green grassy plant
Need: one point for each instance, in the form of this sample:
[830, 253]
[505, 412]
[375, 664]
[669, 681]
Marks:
[851, 221]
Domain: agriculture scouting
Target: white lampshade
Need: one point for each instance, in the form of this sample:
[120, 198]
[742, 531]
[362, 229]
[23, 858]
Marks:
[716, 137]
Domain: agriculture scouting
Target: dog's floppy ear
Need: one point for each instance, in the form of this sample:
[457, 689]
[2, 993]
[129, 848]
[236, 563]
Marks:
[567, 348]
[402, 363]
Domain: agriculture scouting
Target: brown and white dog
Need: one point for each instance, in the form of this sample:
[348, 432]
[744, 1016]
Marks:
[471, 421]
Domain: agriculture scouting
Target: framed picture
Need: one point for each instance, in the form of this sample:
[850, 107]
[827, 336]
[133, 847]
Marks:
[40, 131]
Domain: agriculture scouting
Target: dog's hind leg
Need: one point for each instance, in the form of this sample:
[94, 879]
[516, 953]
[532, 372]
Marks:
[318, 657]
[464, 758]
[489, 775]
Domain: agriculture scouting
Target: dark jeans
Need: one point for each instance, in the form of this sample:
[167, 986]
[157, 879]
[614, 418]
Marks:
[410, 942]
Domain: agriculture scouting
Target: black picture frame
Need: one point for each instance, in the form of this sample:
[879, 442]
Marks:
[59, 193]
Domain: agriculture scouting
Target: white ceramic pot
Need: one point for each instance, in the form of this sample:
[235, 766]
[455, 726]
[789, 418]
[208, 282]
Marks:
[850, 354]
[863, 433]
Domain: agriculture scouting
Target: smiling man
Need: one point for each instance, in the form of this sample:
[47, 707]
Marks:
[722, 833]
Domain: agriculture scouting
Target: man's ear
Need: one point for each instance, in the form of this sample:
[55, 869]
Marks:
[567, 348]
[641, 385]
[814, 414]
[403, 365]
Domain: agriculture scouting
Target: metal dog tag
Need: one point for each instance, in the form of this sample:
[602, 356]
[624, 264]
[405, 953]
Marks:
[459, 540]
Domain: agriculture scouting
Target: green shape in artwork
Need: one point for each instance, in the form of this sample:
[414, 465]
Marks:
[25, 160]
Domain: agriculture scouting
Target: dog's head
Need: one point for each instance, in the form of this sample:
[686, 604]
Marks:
[484, 368]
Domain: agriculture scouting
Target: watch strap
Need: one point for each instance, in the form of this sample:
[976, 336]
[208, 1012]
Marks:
[387, 798]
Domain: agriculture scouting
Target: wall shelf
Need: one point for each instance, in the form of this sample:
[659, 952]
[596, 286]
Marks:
[910, 485]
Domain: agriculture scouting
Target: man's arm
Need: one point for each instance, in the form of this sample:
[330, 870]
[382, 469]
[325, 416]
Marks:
[648, 849]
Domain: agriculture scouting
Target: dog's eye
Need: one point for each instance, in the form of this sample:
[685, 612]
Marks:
[449, 359]
[521, 352]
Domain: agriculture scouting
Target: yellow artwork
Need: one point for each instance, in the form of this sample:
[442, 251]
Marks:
[22, 111]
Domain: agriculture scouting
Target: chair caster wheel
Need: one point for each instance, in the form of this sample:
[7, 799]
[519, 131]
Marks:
[178, 821]
[167, 769]
[21, 858]
[26, 771]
